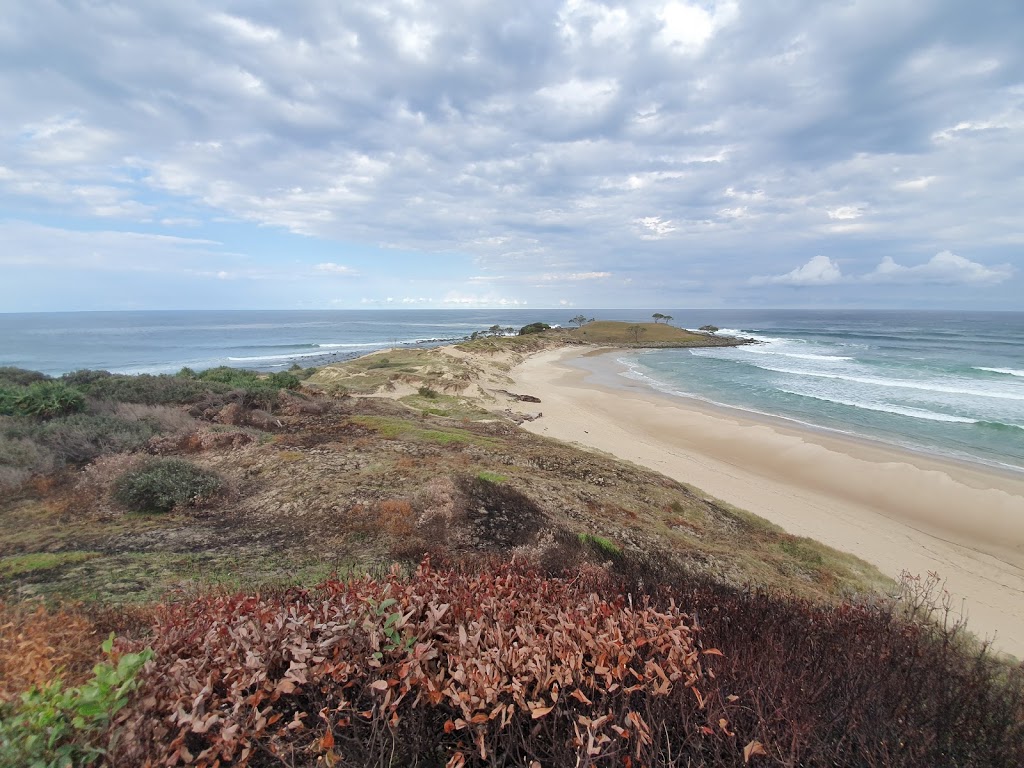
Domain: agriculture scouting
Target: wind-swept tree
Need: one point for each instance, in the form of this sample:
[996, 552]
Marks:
[667, 319]
[658, 316]
[637, 331]
[581, 320]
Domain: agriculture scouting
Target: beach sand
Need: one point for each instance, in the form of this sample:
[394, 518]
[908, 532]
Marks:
[893, 508]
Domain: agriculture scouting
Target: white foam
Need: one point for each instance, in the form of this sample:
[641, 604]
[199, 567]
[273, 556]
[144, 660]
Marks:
[917, 413]
[1007, 371]
[900, 383]
[799, 355]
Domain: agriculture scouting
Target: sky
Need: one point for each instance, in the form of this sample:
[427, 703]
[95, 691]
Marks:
[718, 153]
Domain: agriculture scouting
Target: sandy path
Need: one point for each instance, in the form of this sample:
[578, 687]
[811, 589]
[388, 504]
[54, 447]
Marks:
[893, 508]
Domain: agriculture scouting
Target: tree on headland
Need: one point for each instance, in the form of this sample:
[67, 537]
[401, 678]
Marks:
[581, 320]
[658, 317]
[637, 331]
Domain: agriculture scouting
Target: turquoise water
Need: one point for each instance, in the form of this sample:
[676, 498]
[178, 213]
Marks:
[945, 383]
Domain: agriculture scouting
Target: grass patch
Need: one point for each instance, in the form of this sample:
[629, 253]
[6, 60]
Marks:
[21, 565]
[806, 551]
[368, 374]
[620, 333]
[448, 406]
[600, 545]
[393, 429]
[492, 477]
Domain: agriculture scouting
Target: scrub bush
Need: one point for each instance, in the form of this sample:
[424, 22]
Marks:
[163, 484]
[40, 399]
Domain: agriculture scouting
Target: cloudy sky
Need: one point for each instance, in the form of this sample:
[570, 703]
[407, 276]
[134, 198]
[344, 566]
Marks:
[714, 153]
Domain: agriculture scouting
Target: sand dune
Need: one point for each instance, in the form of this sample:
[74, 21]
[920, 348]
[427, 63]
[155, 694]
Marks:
[896, 509]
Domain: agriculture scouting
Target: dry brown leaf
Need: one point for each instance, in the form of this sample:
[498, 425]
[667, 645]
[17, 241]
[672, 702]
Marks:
[753, 748]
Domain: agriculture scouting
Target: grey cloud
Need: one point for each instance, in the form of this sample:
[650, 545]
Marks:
[531, 134]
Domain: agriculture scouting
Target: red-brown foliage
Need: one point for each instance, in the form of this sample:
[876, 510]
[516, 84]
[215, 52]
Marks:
[448, 667]
[496, 665]
[36, 643]
[396, 517]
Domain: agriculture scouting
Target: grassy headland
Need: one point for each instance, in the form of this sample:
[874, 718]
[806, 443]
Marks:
[707, 635]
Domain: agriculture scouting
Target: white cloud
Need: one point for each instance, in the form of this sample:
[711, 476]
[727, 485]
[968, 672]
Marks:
[654, 227]
[580, 97]
[687, 27]
[459, 299]
[738, 212]
[922, 182]
[575, 276]
[329, 267]
[943, 267]
[108, 250]
[821, 270]
[846, 212]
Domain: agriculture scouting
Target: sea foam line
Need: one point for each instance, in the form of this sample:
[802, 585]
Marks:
[799, 355]
[916, 413]
[1007, 371]
[898, 383]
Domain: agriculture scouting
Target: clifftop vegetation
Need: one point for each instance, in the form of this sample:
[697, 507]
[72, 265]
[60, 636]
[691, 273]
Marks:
[575, 609]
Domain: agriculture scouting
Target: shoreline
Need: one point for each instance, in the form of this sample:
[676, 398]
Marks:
[892, 507]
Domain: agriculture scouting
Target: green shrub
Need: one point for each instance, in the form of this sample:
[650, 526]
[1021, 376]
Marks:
[9, 394]
[54, 727]
[20, 377]
[534, 328]
[84, 378]
[162, 484]
[259, 391]
[41, 399]
[283, 380]
[427, 392]
[147, 389]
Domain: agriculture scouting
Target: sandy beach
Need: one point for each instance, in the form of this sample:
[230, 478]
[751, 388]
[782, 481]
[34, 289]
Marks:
[893, 508]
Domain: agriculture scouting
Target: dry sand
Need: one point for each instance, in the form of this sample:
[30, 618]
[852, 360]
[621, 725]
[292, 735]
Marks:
[893, 508]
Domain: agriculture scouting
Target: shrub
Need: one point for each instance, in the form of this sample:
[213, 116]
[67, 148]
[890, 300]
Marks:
[41, 399]
[162, 484]
[57, 726]
[9, 394]
[427, 392]
[20, 458]
[84, 436]
[534, 328]
[257, 391]
[500, 667]
[84, 378]
[146, 389]
[20, 377]
[396, 517]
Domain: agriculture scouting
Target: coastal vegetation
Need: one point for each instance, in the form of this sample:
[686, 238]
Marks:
[381, 568]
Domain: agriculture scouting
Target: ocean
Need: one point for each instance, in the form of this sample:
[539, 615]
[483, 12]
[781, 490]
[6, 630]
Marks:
[948, 383]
